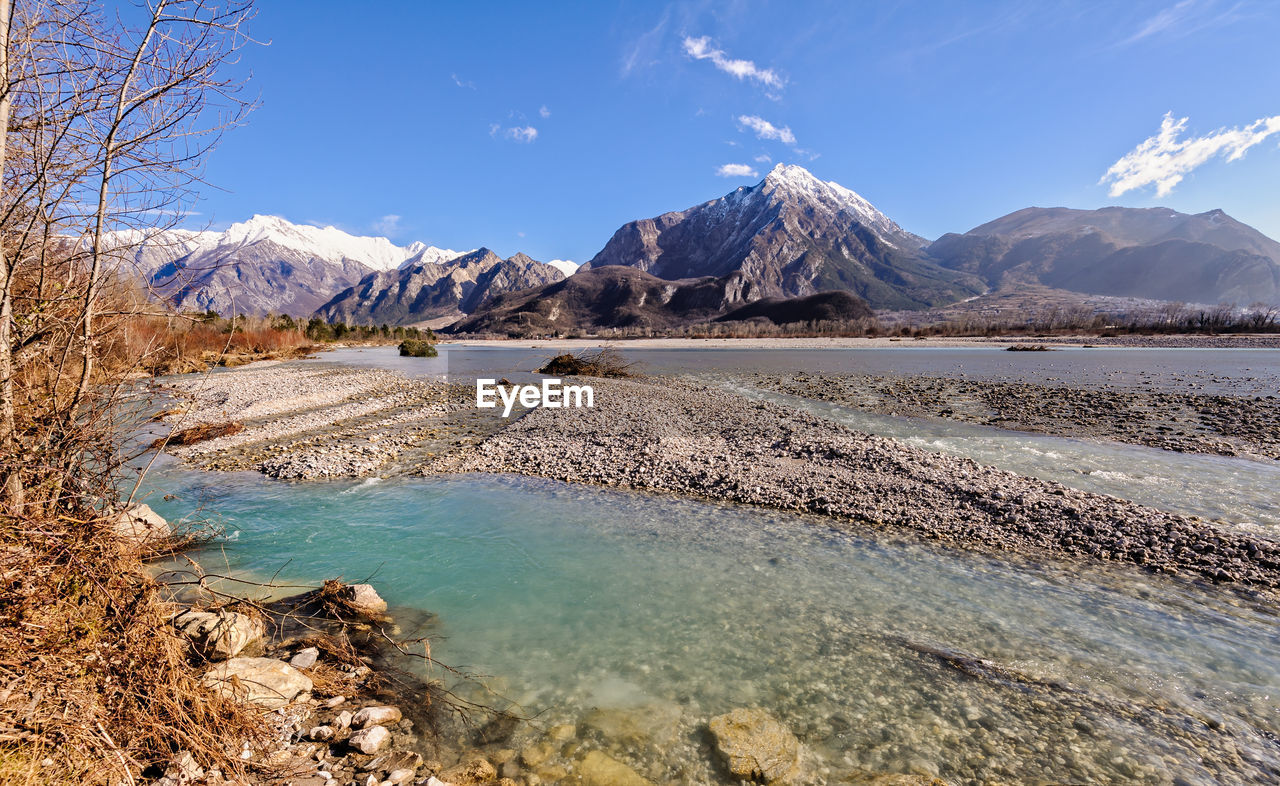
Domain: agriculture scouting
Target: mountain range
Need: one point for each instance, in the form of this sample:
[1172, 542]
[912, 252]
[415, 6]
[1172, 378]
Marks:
[780, 242]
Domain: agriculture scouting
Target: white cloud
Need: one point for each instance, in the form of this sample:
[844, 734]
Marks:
[494, 128]
[387, 225]
[736, 170]
[1164, 159]
[521, 133]
[543, 111]
[701, 49]
[766, 130]
[460, 83]
[764, 158]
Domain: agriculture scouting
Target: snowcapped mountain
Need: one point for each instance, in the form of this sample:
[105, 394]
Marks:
[265, 264]
[791, 235]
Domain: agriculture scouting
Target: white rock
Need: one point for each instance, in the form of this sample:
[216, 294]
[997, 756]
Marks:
[219, 634]
[376, 716]
[370, 740]
[266, 682]
[365, 600]
[321, 734]
[141, 525]
[305, 659]
[397, 777]
[335, 701]
[342, 720]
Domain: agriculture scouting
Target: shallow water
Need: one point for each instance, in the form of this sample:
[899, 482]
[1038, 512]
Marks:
[578, 598]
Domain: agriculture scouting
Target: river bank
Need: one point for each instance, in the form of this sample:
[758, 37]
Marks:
[1136, 414]
[1205, 341]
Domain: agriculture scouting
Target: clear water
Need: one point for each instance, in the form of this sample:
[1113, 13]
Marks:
[881, 655]
[577, 598]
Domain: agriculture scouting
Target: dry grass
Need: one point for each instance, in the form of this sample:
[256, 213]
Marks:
[94, 685]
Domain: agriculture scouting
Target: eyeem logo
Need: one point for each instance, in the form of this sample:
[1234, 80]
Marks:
[551, 394]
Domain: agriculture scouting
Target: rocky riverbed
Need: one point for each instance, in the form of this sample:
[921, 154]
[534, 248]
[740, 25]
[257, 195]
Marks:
[664, 435]
[1224, 425]
[318, 422]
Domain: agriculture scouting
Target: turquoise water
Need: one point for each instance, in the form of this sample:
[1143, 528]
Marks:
[579, 600]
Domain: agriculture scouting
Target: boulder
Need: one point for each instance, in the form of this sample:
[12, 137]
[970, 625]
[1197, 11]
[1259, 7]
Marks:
[470, 773]
[265, 682]
[599, 769]
[756, 746]
[376, 716]
[142, 526]
[364, 600]
[370, 740]
[219, 635]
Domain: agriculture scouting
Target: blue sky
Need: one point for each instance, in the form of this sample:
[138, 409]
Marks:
[417, 120]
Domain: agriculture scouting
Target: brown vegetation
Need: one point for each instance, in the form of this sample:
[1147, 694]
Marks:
[206, 431]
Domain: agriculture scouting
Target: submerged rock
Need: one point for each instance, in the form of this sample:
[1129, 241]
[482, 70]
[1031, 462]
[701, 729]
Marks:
[470, 773]
[892, 779]
[756, 746]
[599, 769]
[265, 682]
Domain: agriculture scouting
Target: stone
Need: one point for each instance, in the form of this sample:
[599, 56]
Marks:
[305, 659]
[563, 733]
[534, 755]
[600, 769]
[434, 781]
[182, 770]
[141, 526]
[370, 740]
[222, 634]
[376, 716]
[364, 600]
[652, 724]
[397, 777]
[265, 682]
[396, 760]
[342, 720]
[335, 701]
[321, 734]
[756, 746]
[470, 773]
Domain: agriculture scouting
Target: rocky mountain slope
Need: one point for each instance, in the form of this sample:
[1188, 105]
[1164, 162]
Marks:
[424, 291]
[264, 264]
[1153, 253]
[625, 297]
[791, 235]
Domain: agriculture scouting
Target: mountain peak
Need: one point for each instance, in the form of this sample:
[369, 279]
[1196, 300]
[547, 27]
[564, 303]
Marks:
[791, 173]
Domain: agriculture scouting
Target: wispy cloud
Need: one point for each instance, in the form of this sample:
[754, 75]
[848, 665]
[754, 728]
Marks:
[387, 225]
[643, 51]
[543, 111]
[1184, 18]
[463, 83]
[736, 170]
[1164, 159]
[766, 130]
[701, 49]
[522, 133]
[764, 158]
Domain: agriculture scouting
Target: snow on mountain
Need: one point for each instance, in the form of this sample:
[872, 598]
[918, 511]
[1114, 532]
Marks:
[327, 243]
[565, 266]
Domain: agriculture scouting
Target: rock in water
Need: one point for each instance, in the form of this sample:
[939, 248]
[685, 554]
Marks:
[219, 635]
[599, 769]
[892, 779]
[142, 526]
[265, 682]
[364, 600]
[756, 746]
[470, 773]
